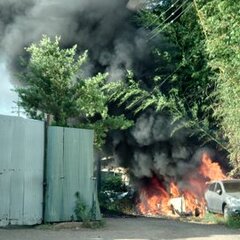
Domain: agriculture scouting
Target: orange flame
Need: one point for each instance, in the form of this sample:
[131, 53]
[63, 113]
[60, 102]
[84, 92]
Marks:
[174, 190]
[210, 169]
[155, 199]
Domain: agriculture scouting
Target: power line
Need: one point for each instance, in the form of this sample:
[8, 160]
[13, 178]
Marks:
[172, 14]
[156, 31]
[155, 20]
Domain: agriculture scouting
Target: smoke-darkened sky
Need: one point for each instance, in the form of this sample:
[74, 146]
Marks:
[104, 27]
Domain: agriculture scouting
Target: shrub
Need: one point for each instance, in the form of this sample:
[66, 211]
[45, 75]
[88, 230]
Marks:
[82, 211]
[233, 222]
[115, 197]
[85, 214]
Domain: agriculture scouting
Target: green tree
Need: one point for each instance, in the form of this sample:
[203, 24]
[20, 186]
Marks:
[220, 20]
[50, 81]
[183, 85]
[54, 86]
[192, 79]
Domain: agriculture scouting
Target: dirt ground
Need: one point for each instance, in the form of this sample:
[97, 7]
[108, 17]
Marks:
[138, 228]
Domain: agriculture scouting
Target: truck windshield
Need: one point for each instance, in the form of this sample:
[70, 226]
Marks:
[232, 186]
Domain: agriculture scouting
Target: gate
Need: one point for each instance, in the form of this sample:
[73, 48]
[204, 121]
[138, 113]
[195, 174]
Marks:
[69, 169]
[21, 171]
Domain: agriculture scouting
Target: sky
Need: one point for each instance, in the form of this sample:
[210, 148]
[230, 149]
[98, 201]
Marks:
[7, 96]
[117, 44]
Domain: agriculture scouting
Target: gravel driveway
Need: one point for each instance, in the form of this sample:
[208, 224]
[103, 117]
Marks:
[138, 228]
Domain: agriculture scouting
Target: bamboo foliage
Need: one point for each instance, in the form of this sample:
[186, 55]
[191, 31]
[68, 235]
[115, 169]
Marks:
[220, 20]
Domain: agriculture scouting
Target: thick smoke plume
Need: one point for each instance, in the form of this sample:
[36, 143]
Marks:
[115, 43]
[103, 27]
[156, 147]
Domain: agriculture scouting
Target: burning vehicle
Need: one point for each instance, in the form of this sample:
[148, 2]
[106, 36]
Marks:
[167, 170]
[178, 207]
[223, 197]
[181, 199]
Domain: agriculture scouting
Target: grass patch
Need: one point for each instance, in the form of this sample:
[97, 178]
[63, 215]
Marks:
[233, 222]
[213, 218]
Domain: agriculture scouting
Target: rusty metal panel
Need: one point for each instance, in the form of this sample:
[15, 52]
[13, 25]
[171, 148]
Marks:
[70, 165]
[21, 171]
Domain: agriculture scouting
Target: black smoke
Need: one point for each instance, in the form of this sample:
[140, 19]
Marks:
[158, 147]
[104, 27]
[155, 146]
[115, 43]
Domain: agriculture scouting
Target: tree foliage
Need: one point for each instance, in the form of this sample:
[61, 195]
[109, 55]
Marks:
[54, 86]
[183, 85]
[49, 79]
[220, 21]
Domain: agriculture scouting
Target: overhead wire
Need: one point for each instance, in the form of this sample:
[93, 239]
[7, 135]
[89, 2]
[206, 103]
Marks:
[172, 14]
[156, 31]
[155, 34]
[162, 14]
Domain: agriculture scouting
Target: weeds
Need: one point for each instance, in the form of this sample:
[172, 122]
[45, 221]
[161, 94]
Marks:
[231, 222]
[82, 211]
[85, 214]
[213, 218]
[115, 197]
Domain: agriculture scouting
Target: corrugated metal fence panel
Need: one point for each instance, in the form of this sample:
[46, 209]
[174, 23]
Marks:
[34, 170]
[78, 156]
[21, 171]
[6, 129]
[54, 174]
[69, 170]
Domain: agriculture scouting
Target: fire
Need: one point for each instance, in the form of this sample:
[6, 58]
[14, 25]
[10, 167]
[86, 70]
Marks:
[154, 201]
[160, 198]
[210, 169]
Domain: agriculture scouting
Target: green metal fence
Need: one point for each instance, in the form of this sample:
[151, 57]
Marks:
[21, 171]
[69, 169]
